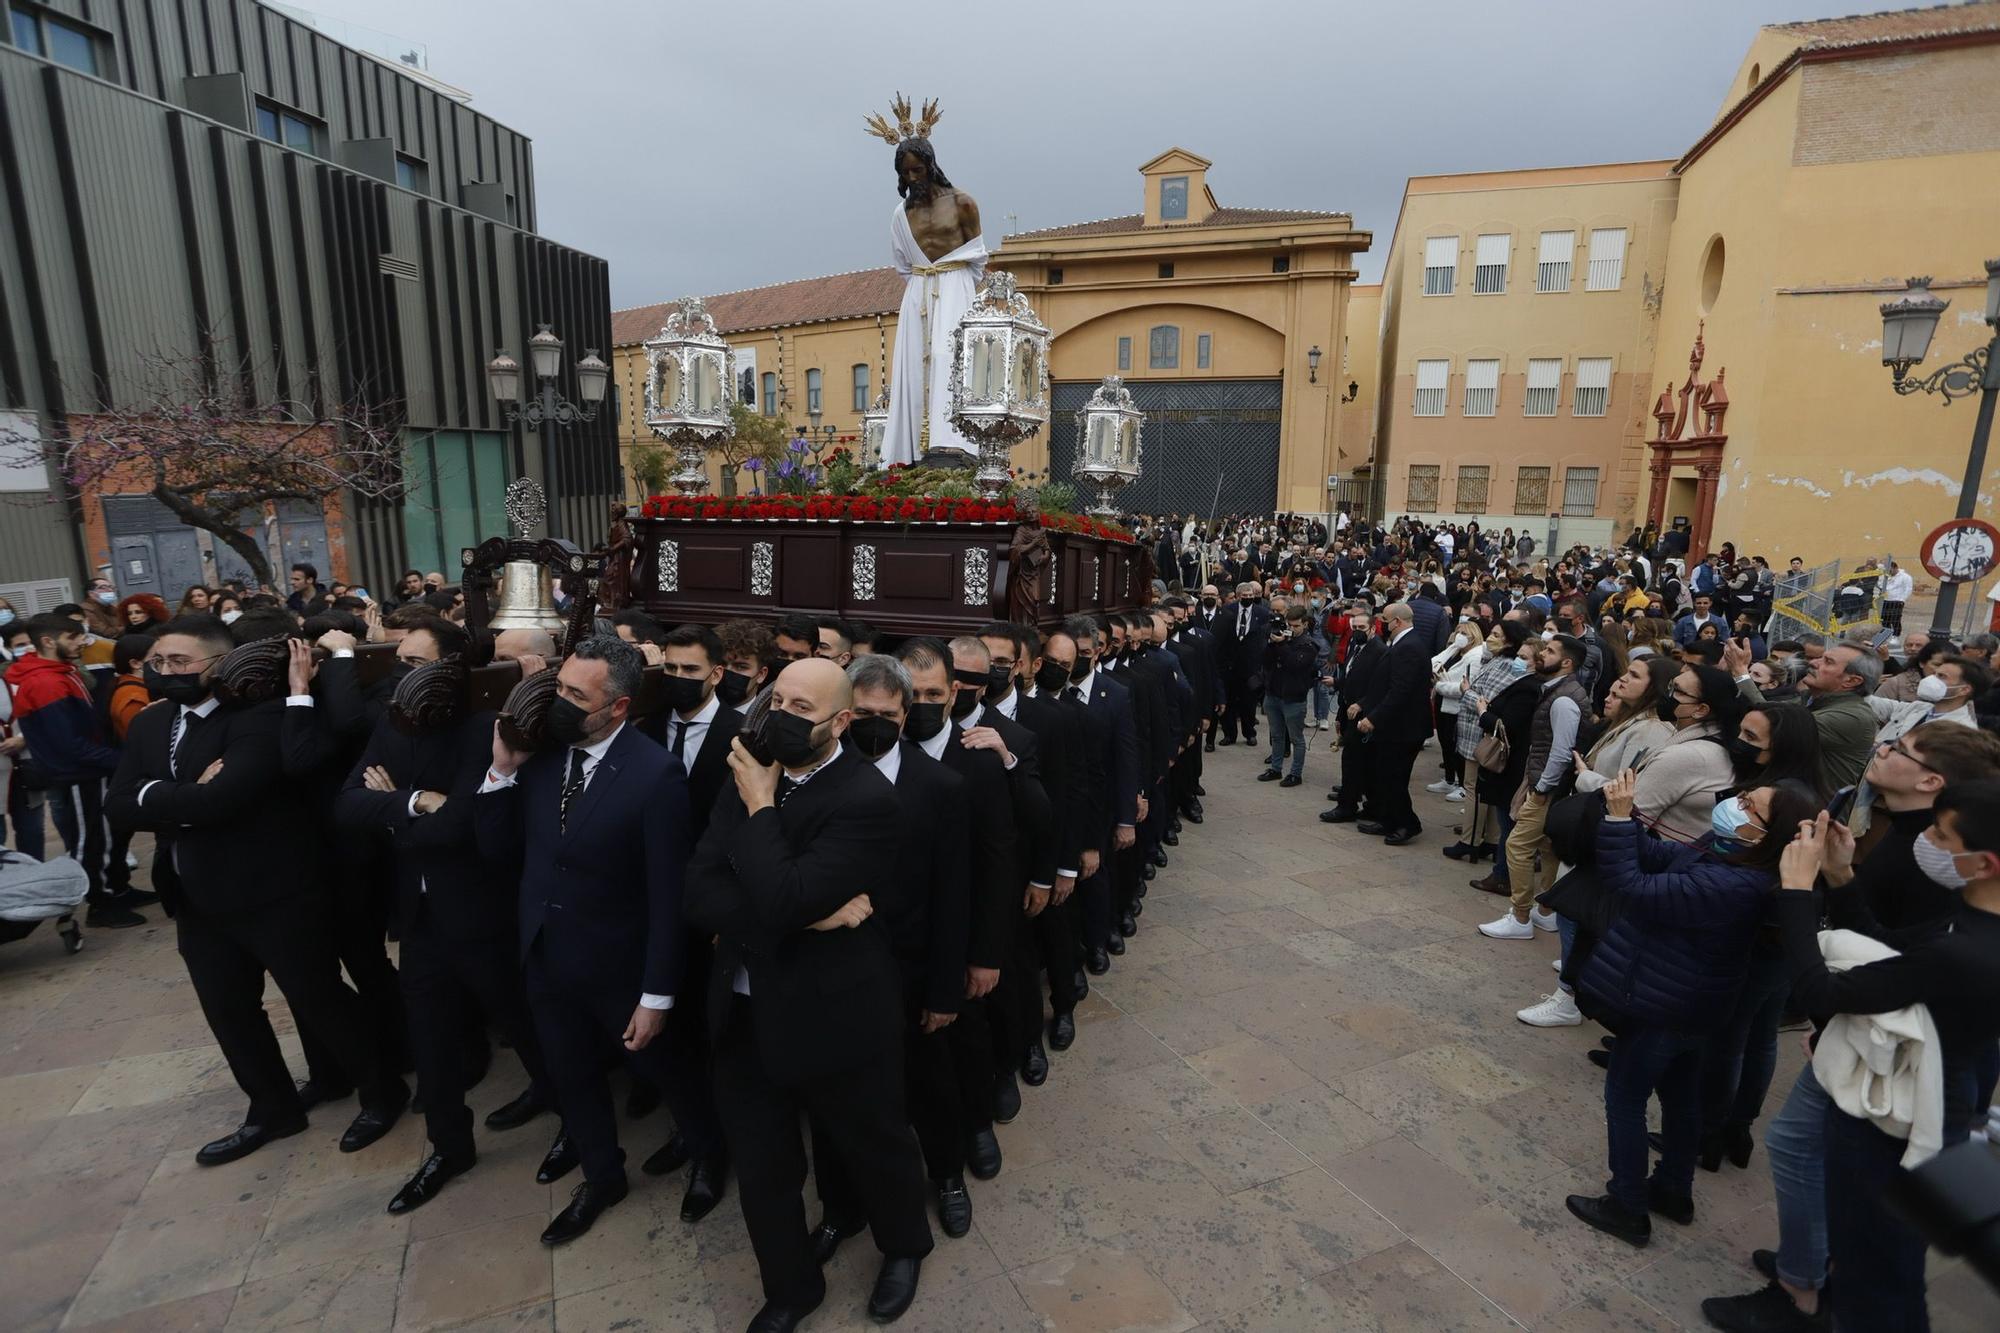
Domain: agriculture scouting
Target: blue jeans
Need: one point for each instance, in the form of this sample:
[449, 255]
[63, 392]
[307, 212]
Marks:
[1288, 725]
[1500, 857]
[1566, 933]
[1322, 704]
[1796, 1141]
[1737, 1064]
[1879, 1256]
[1647, 1060]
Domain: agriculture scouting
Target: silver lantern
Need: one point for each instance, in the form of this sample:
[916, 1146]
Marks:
[689, 373]
[999, 377]
[1108, 443]
[874, 429]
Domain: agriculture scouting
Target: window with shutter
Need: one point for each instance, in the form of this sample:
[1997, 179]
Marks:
[1482, 387]
[1473, 483]
[1607, 260]
[1593, 386]
[1204, 346]
[1544, 387]
[1531, 491]
[1489, 275]
[1579, 492]
[861, 388]
[1552, 272]
[1440, 265]
[1433, 377]
[1423, 492]
[1163, 348]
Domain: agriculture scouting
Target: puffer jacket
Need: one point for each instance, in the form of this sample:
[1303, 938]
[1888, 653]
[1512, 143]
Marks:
[1678, 952]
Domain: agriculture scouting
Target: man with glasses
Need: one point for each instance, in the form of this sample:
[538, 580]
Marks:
[246, 886]
[1836, 690]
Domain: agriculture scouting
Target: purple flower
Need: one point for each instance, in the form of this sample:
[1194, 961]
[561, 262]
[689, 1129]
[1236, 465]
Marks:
[812, 476]
[787, 468]
[753, 464]
[797, 446]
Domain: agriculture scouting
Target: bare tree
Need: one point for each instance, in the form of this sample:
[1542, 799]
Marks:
[209, 450]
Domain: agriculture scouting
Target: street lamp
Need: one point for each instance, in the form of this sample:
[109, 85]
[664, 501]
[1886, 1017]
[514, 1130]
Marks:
[1312, 364]
[548, 409]
[1907, 327]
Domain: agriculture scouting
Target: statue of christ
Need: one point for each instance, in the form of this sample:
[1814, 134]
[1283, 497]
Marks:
[934, 238]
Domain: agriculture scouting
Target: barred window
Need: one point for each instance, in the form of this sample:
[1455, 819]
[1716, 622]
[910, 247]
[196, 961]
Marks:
[1124, 353]
[1531, 491]
[1489, 274]
[1473, 483]
[1204, 346]
[1433, 378]
[1545, 376]
[1552, 273]
[1607, 260]
[1593, 386]
[1423, 493]
[1482, 387]
[1579, 492]
[1440, 265]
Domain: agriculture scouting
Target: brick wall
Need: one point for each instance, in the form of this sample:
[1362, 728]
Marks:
[1919, 104]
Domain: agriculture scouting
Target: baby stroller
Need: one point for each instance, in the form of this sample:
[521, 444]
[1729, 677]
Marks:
[32, 891]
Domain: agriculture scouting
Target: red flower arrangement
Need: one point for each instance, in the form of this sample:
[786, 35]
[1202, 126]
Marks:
[870, 509]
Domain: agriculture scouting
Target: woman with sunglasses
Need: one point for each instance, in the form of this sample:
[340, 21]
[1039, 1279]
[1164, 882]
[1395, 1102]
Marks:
[1663, 976]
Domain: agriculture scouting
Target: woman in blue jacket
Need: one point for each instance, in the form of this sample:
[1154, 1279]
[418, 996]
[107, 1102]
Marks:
[1666, 973]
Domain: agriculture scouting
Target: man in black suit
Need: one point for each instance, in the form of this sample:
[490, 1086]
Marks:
[807, 1018]
[1361, 683]
[598, 827]
[459, 965]
[244, 887]
[926, 907]
[1246, 628]
[1192, 643]
[1396, 725]
[1058, 930]
[1115, 734]
[696, 727]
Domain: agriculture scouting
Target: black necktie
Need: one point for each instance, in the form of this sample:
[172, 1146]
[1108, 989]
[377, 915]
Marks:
[680, 736]
[786, 786]
[1243, 622]
[174, 742]
[1073, 693]
[571, 787]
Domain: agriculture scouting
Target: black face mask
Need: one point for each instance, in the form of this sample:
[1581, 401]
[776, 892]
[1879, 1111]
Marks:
[566, 722]
[963, 703]
[873, 736]
[734, 689]
[999, 682]
[186, 691]
[684, 693]
[1665, 708]
[924, 722]
[1744, 755]
[1208, 603]
[1081, 669]
[1052, 677]
[791, 739]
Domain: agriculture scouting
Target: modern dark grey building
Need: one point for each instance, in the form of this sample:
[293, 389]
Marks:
[181, 174]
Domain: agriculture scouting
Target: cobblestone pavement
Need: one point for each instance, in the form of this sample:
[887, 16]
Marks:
[1300, 1102]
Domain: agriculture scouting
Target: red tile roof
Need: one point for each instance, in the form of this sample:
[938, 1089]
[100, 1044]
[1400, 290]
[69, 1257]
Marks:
[1930, 21]
[871, 291]
[1221, 217]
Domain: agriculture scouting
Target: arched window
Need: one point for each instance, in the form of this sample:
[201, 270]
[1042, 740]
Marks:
[812, 393]
[861, 387]
[770, 394]
[1163, 347]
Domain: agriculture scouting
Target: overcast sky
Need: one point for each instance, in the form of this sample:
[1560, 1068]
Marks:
[709, 147]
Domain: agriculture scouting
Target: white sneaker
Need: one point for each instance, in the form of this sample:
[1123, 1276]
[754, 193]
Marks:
[1507, 928]
[1555, 1010]
[1541, 920]
[1438, 788]
[1556, 963]
[1455, 794]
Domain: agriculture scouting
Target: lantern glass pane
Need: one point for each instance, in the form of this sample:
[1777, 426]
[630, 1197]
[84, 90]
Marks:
[1099, 450]
[667, 385]
[547, 357]
[1027, 371]
[707, 385]
[1128, 442]
[988, 370]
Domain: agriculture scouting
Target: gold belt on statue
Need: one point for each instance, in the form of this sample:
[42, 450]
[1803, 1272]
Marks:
[932, 270]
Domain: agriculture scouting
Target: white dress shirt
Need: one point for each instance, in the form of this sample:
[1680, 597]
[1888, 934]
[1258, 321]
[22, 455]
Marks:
[696, 729]
[202, 709]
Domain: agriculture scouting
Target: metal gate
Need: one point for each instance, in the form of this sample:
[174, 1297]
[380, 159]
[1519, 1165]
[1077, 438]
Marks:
[151, 550]
[1195, 432]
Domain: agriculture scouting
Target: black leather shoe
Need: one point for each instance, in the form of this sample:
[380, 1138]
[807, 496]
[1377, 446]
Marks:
[1199, 791]
[642, 1100]
[1115, 946]
[132, 899]
[1373, 828]
[1062, 1031]
[1402, 837]
[954, 1207]
[1269, 775]
[1227, 740]
[775, 1318]
[982, 1154]
[558, 1162]
[1139, 903]
[1611, 1217]
[110, 916]
[1460, 850]
[826, 1237]
[671, 1156]
[1337, 816]
[1193, 813]
[1248, 739]
[895, 1288]
[1208, 747]
[244, 1141]
[1602, 1059]
[1148, 871]
[369, 1126]
[706, 1180]
[1159, 859]
[1035, 1066]
[1006, 1098]
[313, 1093]
[1674, 1207]
[1128, 925]
[586, 1202]
[1290, 780]
[428, 1182]
[1099, 961]
[1080, 984]
[1171, 838]
[517, 1112]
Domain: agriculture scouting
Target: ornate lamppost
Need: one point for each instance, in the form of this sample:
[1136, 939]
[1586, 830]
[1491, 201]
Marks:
[1907, 326]
[1108, 443]
[999, 378]
[688, 370]
[548, 409]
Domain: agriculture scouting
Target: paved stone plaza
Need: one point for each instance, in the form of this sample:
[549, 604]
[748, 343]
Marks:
[1300, 1102]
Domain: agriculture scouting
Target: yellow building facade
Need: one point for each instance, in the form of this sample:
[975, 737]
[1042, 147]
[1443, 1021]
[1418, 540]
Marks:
[1849, 154]
[1230, 325]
